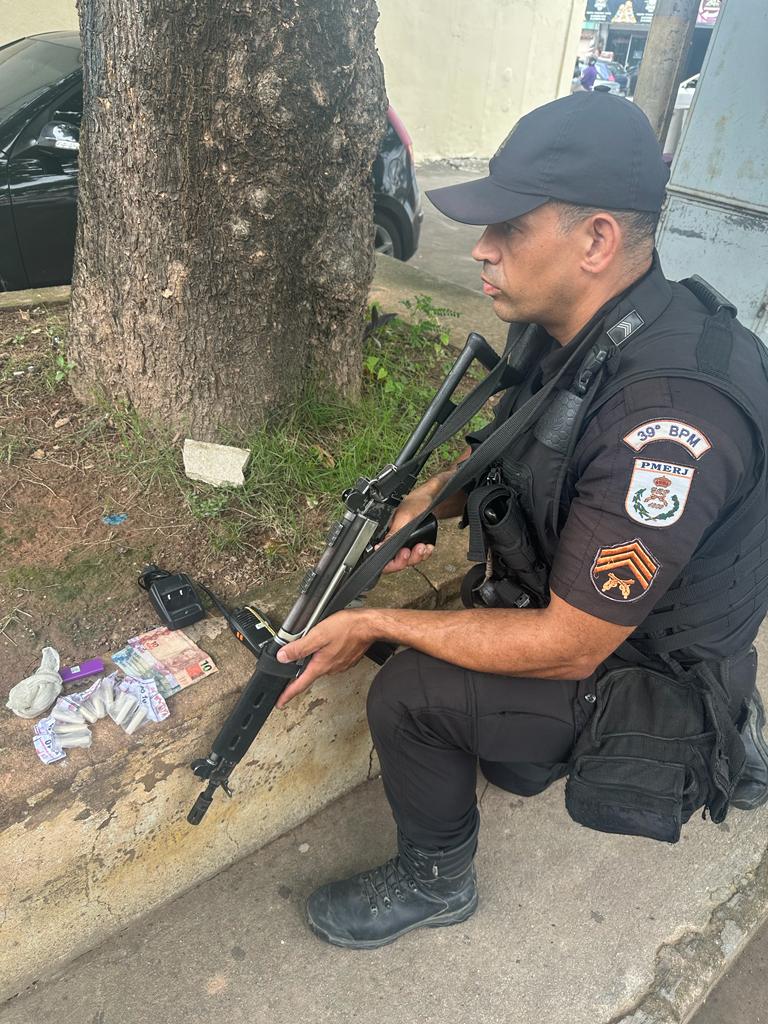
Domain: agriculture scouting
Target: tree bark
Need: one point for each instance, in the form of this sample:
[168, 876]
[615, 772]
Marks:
[225, 231]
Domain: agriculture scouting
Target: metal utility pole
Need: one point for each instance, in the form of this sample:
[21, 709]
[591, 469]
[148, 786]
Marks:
[664, 59]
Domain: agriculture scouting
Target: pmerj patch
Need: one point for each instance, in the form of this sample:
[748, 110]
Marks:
[658, 492]
[691, 438]
[624, 572]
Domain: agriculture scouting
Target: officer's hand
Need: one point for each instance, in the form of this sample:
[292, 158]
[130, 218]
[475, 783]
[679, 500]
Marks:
[408, 510]
[335, 644]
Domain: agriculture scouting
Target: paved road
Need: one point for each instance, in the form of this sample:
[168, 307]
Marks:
[445, 247]
[742, 995]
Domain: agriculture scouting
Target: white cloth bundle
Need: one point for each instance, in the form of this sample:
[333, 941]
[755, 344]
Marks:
[35, 694]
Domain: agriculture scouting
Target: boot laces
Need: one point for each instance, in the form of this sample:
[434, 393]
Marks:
[386, 882]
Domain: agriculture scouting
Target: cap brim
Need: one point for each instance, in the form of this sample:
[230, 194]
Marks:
[482, 202]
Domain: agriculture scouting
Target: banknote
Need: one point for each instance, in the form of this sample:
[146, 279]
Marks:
[167, 657]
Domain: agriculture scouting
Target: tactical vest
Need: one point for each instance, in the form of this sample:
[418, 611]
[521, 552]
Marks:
[517, 510]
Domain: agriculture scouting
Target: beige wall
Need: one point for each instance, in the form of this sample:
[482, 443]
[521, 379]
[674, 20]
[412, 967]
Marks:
[25, 17]
[461, 72]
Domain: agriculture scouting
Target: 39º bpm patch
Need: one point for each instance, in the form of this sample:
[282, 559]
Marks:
[625, 571]
[691, 438]
[658, 492]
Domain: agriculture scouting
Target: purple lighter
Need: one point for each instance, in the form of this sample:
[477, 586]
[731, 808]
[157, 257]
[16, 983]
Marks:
[77, 672]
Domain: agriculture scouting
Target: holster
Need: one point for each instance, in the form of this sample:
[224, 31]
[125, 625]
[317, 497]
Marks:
[512, 574]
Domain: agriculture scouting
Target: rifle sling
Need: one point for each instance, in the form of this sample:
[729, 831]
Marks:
[368, 571]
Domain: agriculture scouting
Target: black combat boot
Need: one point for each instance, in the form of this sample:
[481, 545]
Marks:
[752, 788]
[415, 889]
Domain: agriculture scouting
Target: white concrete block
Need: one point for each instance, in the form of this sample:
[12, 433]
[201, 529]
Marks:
[217, 464]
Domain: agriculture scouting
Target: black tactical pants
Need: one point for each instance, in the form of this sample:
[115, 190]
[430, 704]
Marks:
[432, 722]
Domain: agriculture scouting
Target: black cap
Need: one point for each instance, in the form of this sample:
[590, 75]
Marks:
[589, 148]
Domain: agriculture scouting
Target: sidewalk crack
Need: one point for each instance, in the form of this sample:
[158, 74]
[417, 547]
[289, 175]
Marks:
[687, 968]
[424, 576]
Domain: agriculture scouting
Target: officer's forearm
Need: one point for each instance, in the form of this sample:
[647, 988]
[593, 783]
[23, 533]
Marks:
[423, 496]
[506, 641]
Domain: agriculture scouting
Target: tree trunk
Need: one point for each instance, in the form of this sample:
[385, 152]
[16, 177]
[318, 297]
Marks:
[225, 223]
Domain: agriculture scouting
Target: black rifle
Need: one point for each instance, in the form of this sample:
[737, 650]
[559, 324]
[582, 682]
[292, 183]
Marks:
[370, 507]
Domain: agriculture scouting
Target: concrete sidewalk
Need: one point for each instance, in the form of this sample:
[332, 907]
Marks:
[574, 927]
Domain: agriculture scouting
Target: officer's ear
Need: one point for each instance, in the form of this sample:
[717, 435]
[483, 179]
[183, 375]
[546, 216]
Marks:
[602, 242]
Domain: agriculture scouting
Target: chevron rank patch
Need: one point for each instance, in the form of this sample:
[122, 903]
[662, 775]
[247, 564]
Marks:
[658, 492]
[625, 328]
[691, 438]
[625, 571]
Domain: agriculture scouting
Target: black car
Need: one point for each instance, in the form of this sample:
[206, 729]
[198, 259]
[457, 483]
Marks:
[41, 105]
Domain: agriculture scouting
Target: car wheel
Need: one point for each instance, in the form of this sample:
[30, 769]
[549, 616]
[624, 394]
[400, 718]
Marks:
[386, 238]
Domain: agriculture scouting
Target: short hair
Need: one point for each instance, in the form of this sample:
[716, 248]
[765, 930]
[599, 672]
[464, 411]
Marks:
[638, 227]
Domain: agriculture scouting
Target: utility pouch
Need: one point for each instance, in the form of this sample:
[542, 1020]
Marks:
[657, 748]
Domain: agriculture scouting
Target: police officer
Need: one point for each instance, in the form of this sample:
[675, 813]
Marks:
[625, 521]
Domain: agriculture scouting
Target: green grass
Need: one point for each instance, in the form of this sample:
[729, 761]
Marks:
[48, 365]
[299, 467]
[76, 575]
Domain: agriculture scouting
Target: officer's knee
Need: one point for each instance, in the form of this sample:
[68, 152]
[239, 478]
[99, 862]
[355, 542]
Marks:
[390, 690]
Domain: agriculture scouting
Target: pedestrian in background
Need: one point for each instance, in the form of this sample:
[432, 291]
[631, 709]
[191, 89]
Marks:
[588, 75]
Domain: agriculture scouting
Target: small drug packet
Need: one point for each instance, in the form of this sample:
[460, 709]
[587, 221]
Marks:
[123, 707]
[67, 715]
[106, 691]
[70, 728]
[139, 717]
[82, 704]
[80, 739]
[136, 702]
[47, 745]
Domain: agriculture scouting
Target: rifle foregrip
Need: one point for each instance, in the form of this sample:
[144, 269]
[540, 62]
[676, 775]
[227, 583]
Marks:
[251, 711]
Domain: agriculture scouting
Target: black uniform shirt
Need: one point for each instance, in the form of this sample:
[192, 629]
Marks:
[646, 487]
[652, 474]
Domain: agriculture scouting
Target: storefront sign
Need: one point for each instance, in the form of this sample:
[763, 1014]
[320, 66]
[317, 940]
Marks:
[621, 12]
[599, 10]
[708, 12]
[640, 12]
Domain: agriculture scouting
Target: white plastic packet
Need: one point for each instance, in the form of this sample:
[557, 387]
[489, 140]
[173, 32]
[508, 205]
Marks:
[35, 694]
[88, 705]
[46, 741]
[80, 739]
[67, 724]
[136, 702]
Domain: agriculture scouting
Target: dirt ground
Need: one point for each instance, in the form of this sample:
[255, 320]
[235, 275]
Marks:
[67, 579]
[68, 575]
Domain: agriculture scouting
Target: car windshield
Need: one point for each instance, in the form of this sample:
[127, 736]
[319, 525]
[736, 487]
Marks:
[28, 68]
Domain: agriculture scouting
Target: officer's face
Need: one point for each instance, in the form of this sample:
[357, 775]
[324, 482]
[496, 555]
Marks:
[530, 268]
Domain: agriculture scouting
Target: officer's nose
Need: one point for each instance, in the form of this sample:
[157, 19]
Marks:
[485, 250]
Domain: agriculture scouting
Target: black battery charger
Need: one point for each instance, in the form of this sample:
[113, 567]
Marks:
[173, 597]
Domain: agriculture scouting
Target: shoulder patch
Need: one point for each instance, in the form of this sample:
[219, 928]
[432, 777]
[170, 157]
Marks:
[658, 492]
[625, 571]
[691, 438]
[625, 328]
